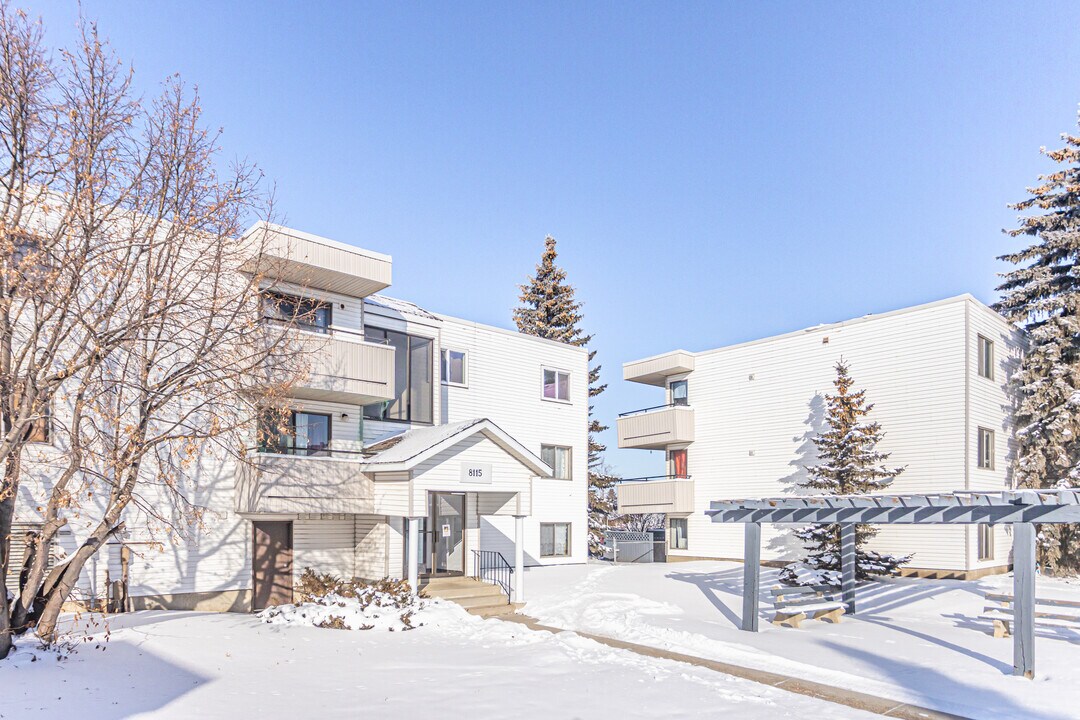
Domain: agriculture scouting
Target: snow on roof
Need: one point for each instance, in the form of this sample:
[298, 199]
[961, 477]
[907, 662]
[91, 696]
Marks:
[410, 443]
[404, 451]
[401, 306]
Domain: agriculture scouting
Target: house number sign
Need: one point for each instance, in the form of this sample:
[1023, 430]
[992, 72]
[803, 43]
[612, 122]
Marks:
[476, 473]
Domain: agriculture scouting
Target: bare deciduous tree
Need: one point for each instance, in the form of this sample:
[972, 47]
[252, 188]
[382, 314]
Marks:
[130, 317]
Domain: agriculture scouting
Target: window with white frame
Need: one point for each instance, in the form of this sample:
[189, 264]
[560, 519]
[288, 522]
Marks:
[557, 458]
[985, 449]
[677, 533]
[554, 539]
[453, 367]
[986, 358]
[556, 385]
[986, 541]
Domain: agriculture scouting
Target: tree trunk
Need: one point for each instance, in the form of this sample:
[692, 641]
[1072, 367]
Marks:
[56, 595]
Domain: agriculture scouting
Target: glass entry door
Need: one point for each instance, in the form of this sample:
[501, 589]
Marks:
[448, 529]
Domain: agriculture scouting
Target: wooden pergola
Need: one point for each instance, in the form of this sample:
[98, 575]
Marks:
[1019, 508]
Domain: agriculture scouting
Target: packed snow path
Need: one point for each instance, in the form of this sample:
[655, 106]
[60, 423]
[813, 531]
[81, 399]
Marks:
[914, 641]
[185, 665]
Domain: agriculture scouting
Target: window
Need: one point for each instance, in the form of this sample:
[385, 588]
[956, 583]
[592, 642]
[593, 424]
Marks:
[986, 541]
[986, 449]
[556, 385]
[677, 533]
[308, 314]
[677, 463]
[413, 386]
[554, 539]
[453, 367]
[558, 459]
[986, 358]
[679, 394]
[298, 433]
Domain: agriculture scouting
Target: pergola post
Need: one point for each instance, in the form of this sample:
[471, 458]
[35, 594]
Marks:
[847, 566]
[1023, 624]
[751, 575]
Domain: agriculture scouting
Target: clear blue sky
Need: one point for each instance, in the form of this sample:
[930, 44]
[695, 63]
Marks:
[726, 171]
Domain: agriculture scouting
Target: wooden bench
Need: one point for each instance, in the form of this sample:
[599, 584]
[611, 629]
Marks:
[1057, 613]
[797, 603]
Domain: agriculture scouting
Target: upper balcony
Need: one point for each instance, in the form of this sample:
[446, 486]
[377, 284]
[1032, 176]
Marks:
[666, 495]
[656, 370]
[311, 261]
[343, 367]
[656, 428]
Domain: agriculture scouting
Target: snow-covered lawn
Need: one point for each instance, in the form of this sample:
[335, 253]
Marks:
[195, 665]
[915, 641]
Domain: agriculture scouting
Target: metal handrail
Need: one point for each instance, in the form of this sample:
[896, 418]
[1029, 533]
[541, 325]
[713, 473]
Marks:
[490, 566]
[308, 452]
[654, 477]
[655, 407]
[330, 330]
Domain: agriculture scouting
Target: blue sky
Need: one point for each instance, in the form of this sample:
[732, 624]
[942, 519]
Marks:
[726, 171]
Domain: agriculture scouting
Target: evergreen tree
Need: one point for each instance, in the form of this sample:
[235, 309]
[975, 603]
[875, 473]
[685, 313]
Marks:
[549, 310]
[849, 464]
[1042, 295]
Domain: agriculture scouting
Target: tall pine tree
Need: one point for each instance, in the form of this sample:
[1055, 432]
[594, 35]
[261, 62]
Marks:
[1042, 295]
[849, 464]
[549, 310]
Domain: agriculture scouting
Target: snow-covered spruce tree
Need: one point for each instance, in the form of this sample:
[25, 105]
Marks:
[549, 310]
[1042, 295]
[849, 464]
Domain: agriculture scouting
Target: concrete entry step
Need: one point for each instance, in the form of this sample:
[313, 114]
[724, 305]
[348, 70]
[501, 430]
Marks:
[478, 598]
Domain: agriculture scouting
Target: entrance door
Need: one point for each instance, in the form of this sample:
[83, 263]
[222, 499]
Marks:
[272, 564]
[448, 528]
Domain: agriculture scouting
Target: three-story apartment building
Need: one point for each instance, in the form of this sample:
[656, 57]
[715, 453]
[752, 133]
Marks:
[739, 422]
[416, 441]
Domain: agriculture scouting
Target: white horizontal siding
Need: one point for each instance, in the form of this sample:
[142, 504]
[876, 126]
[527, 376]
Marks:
[325, 546]
[370, 548]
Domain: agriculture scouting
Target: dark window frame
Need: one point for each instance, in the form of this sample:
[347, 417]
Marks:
[378, 411]
[685, 401]
[298, 301]
[275, 447]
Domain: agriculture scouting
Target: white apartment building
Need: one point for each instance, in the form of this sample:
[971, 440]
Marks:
[737, 422]
[419, 445]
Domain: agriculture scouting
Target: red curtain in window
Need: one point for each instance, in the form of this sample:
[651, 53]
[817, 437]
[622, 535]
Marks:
[678, 463]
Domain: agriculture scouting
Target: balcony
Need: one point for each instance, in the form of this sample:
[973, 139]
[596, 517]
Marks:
[314, 262]
[656, 370]
[343, 368]
[656, 428]
[328, 483]
[655, 495]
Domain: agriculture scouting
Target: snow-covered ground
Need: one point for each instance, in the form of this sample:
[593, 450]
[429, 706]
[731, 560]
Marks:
[915, 641]
[195, 665]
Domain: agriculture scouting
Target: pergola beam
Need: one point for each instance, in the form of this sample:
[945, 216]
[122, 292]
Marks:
[926, 515]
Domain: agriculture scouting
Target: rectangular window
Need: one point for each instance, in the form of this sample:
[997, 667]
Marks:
[677, 533]
[556, 385]
[986, 449]
[554, 539]
[307, 314]
[677, 465]
[453, 367]
[413, 388]
[986, 358]
[558, 459]
[298, 433]
[986, 541]
[679, 392]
